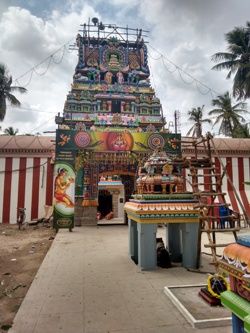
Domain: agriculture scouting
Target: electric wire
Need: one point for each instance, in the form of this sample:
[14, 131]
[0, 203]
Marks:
[181, 71]
[48, 59]
[23, 169]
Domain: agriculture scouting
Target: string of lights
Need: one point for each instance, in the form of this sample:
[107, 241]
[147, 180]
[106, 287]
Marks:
[24, 169]
[41, 125]
[47, 62]
[199, 85]
[34, 110]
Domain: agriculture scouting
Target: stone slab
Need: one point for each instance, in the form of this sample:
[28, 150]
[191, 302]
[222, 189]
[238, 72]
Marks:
[197, 312]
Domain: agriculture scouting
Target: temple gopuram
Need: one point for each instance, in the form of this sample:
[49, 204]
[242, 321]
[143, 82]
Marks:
[112, 121]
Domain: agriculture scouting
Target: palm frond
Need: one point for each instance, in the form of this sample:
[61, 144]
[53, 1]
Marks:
[2, 107]
[13, 100]
[5, 91]
[206, 121]
[241, 105]
[22, 90]
[218, 119]
[3, 70]
[223, 56]
[232, 65]
[214, 112]
[191, 129]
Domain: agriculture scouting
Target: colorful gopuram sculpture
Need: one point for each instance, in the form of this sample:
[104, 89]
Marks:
[111, 84]
[236, 263]
[111, 120]
[160, 198]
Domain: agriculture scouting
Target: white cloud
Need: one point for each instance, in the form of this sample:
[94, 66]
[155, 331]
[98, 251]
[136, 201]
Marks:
[26, 41]
[186, 32]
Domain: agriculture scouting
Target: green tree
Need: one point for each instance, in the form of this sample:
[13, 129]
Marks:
[11, 131]
[237, 60]
[196, 116]
[6, 90]
[241, 131]
[228, 115]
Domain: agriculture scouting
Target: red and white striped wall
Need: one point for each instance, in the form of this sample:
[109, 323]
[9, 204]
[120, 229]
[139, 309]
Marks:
[238, 169]
[25, 182]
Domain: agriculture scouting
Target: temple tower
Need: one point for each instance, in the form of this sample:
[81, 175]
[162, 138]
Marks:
[109, 117]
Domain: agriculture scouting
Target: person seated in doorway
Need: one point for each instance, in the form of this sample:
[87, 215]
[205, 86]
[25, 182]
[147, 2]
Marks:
[109, 216]
[98, 216]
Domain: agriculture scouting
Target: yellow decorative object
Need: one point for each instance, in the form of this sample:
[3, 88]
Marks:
[167, 169]
[210, 284]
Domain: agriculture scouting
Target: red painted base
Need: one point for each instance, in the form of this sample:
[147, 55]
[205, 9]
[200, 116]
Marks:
[211, 300]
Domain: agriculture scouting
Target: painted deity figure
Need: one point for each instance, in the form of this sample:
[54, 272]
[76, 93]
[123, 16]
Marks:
[108, 77]
[62, 182]
[120, 78]
[119, 143]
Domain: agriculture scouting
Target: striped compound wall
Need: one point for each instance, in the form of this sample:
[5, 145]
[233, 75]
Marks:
[238, 169]
[26, 176]
[25, 182]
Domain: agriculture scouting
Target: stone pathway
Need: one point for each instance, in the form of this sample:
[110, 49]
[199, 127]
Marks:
[87, 284]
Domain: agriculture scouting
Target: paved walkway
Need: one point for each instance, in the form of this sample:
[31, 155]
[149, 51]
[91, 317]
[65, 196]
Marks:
[87, 284]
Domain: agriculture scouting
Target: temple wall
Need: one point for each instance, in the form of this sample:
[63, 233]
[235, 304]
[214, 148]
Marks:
[25, 182]
[239, 170]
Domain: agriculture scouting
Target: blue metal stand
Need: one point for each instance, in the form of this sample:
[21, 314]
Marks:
[174, 242]
[237, 324]
[190, 245]
[133, 240]
[147, 246]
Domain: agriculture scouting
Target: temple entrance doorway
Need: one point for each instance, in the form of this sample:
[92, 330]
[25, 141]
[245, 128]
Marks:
[111, 199]
[105, 206]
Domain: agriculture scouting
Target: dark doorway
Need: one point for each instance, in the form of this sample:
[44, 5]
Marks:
[104, 203]
[116, 106]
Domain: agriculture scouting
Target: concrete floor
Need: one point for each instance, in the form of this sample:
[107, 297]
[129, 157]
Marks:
[88, 284]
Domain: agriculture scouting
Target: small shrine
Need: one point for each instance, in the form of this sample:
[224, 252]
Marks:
[160, 198]
[111, 198]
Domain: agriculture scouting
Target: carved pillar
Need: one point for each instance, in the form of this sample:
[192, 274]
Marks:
[115, 197]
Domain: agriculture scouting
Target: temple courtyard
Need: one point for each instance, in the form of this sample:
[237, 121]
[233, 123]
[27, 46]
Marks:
[87, 283]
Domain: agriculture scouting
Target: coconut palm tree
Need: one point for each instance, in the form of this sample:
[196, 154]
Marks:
[241, 131]
[195, 115]
[11, 131]
[227, 115]
[6, 90]
[237, 60]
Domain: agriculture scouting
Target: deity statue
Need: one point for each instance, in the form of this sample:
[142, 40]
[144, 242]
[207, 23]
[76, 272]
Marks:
[126, 107]
[108, 77]
[114, 62]
[120, 78]
[105, 106]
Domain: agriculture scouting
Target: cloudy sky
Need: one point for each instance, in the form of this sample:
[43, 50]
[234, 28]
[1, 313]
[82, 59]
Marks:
[185, 32]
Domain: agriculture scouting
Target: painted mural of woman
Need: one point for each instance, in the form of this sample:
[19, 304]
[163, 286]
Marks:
[62, 182]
